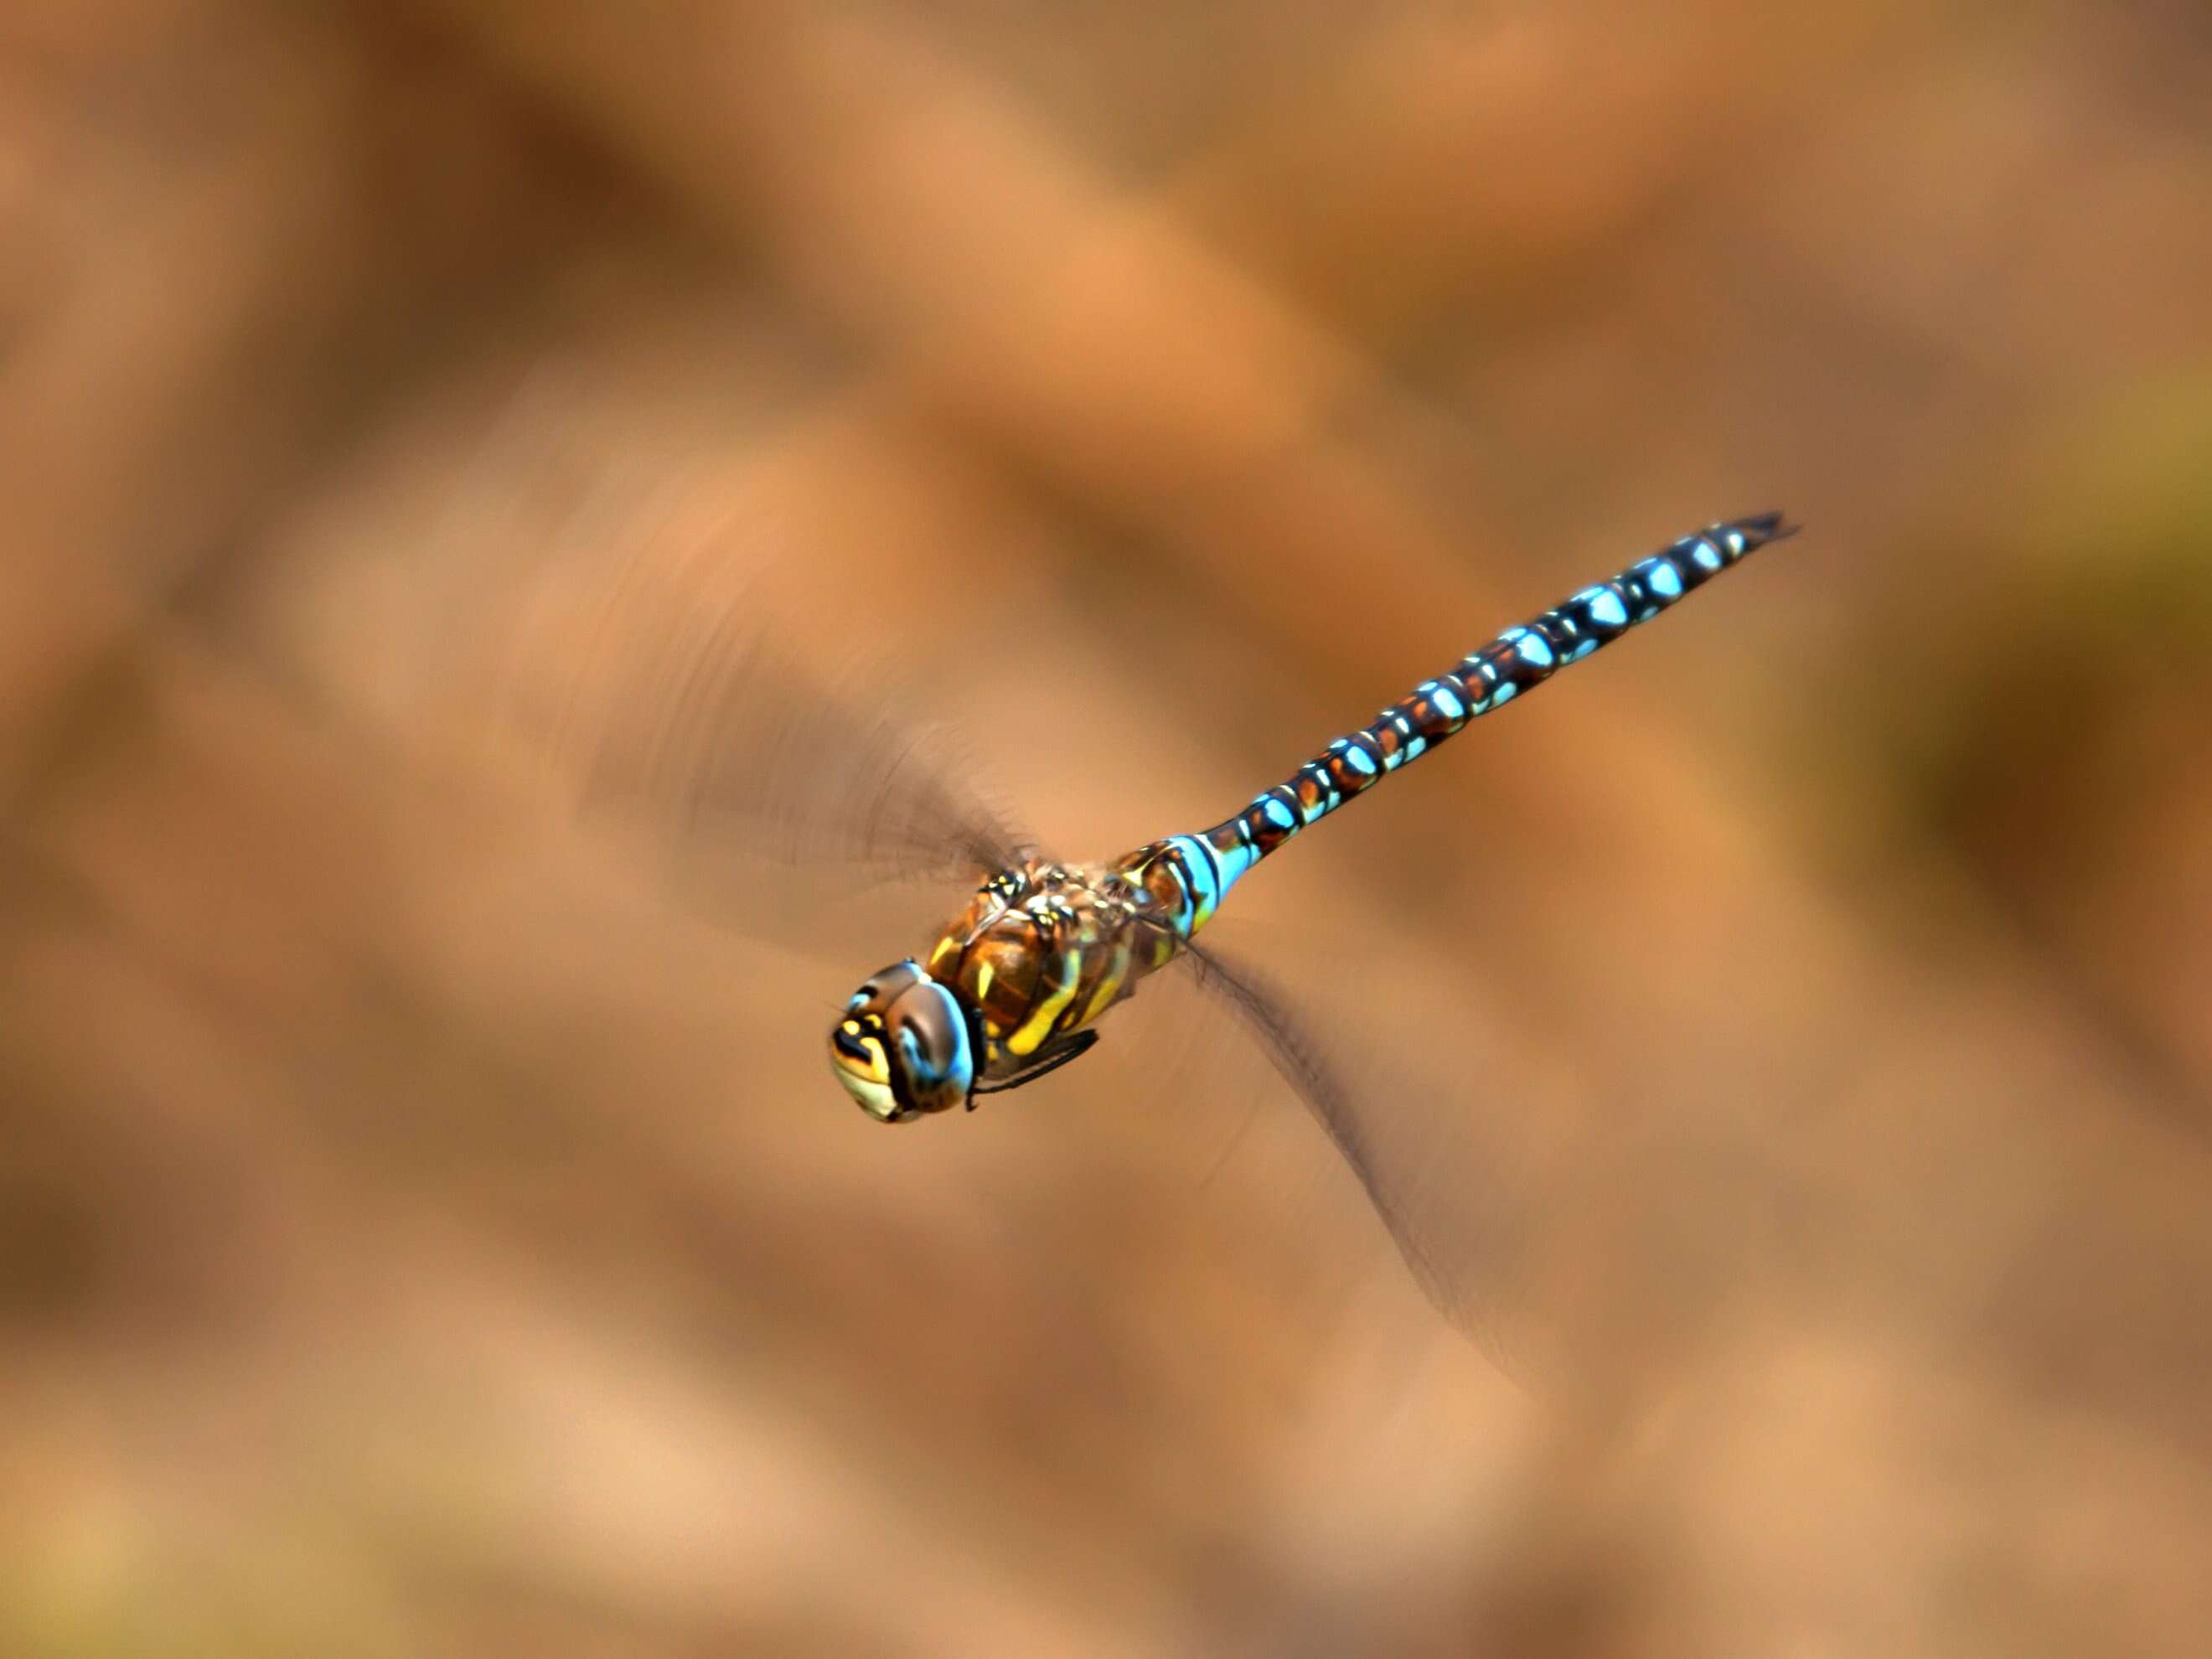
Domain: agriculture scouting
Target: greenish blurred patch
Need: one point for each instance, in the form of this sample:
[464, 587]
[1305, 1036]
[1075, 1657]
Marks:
[101, 1586]
[2107, 620]
[2010, 731]
[2123, 533]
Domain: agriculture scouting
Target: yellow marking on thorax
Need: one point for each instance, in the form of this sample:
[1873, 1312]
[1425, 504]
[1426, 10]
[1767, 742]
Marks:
[1117, 969]
[984, 976]
[1033, 1030]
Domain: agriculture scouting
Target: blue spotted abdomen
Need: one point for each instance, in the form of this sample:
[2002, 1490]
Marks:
[1517, 661]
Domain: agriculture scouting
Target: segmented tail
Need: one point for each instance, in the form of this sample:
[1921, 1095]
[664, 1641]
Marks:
[1518, 660]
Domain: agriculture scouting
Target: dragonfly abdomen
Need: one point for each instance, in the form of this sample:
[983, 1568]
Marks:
[1517, 660]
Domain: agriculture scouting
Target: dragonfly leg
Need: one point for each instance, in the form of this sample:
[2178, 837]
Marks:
[1050, 1058]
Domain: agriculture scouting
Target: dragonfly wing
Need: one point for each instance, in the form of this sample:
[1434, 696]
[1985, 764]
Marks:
[1447, 1240]
[690, 718]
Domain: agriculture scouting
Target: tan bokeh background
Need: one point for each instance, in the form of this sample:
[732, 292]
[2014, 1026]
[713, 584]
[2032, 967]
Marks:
[424, 1228]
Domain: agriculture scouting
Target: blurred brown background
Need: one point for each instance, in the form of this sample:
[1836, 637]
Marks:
[423, 1232]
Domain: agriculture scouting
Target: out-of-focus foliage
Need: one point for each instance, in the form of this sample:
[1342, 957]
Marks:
[425, 1227]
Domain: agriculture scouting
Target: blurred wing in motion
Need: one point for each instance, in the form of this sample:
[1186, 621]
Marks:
[1447, 1240]
[683, 715]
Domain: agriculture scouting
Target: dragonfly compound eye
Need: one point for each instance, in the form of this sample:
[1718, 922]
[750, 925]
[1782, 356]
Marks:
[903, 1048]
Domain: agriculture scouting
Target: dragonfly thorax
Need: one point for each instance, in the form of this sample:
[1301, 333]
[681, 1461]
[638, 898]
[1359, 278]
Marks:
[1041, 951]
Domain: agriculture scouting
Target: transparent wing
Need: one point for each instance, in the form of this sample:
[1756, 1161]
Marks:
[679, 712]
[720, 742]
[1453, 1210]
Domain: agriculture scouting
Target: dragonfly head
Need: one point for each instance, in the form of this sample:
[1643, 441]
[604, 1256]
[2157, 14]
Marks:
[903, 1048]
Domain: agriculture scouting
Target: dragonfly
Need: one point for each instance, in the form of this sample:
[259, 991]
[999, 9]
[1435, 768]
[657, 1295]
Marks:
[1016, 986]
